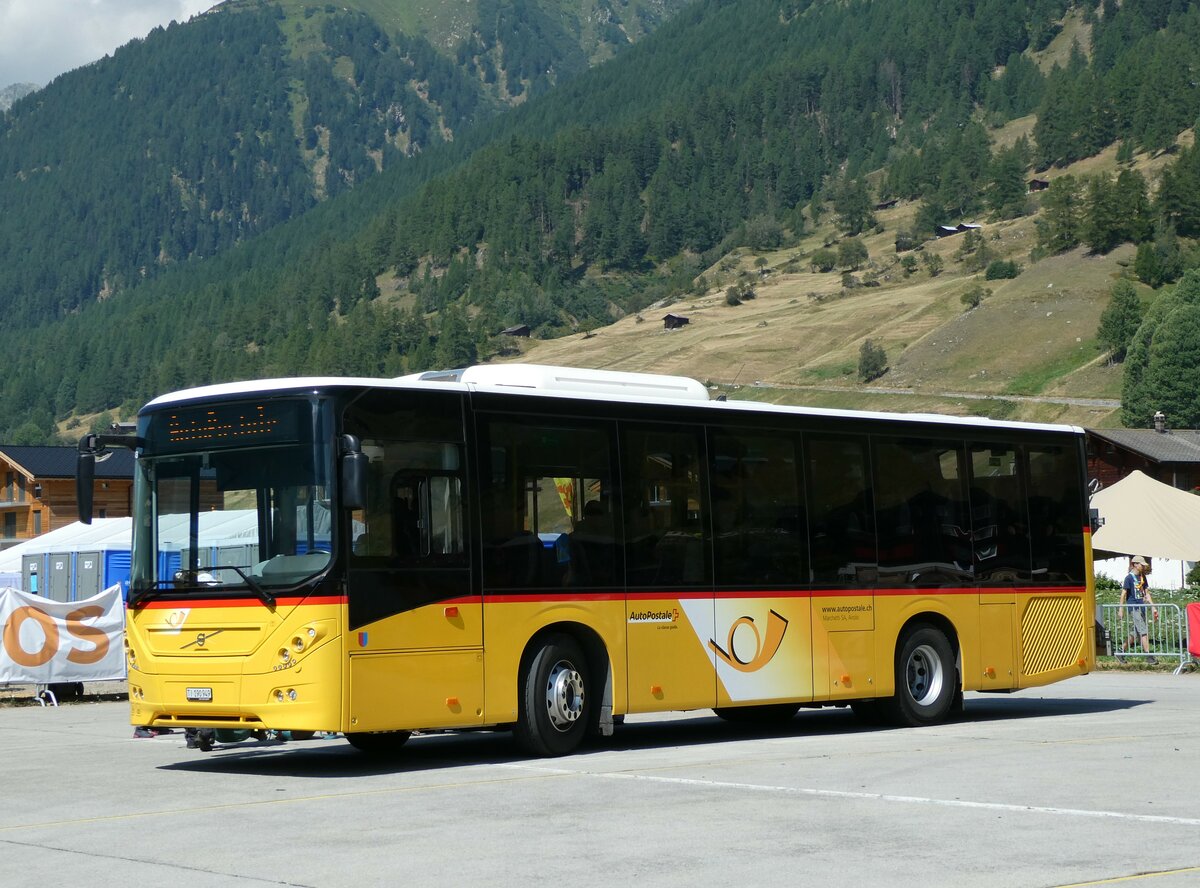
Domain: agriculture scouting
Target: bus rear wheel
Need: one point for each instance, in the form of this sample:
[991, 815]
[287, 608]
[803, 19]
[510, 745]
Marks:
[926, 678]
[555, 705]
[379, 743]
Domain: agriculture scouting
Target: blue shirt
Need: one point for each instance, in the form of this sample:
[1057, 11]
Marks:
[1134, 587]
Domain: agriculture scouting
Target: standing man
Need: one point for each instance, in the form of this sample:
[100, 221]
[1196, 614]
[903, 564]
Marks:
[1136, 593]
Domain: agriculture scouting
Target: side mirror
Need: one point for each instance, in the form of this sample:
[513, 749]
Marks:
[93, 449]
[354, 474]
[85, 476]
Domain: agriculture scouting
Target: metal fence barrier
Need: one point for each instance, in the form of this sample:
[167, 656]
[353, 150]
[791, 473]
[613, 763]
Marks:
[1167, 632]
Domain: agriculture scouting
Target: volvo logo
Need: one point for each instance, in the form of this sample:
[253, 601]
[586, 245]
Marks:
[201, 638]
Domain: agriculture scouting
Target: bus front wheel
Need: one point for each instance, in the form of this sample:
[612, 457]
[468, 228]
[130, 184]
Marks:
[554, 698]
[926, 678]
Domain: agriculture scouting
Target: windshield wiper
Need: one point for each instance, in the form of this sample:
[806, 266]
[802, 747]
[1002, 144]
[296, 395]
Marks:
[267, 598]
[162, 586]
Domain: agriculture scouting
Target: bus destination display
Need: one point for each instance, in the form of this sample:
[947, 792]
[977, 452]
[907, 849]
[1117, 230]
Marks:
[242, 424]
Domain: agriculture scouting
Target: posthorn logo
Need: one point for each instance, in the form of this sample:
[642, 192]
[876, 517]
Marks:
[764, 649]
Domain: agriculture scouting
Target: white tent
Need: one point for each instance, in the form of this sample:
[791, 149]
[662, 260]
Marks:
[1146, 517]
[102, 533]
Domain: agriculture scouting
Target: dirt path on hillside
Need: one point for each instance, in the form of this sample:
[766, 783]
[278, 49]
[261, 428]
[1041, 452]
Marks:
[969, 396]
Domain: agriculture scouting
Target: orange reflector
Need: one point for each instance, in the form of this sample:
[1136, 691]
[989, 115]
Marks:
[656, 690]
[452, 701]
[451, 612]
[990, 672]
[1081, 662]
[845, 679]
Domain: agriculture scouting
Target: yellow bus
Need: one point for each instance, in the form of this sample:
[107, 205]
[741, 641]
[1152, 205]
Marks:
[548, 549]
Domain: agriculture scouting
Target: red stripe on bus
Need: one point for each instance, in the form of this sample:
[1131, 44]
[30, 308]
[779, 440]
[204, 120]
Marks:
[688, 595]
[582, 596]
[178, 603]
[927, 592]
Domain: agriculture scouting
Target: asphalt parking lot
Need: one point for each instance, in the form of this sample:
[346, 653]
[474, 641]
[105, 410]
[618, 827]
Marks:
[1093, 781]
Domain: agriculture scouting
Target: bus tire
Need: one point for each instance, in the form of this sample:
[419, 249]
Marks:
[764, 714]
[555, 698]
[926, 678]
[379, 743]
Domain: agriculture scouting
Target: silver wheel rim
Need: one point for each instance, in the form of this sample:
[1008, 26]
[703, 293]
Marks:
[925, 675]
[564, 695]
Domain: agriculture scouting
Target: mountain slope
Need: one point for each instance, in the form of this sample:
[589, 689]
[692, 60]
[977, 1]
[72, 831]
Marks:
[211, 132]
[14, 91]
[645, 181]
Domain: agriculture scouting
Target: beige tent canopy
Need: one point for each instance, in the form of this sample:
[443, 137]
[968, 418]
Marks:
[1146, 517]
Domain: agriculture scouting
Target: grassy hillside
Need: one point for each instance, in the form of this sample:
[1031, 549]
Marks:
[1028, 352]
[642, 184]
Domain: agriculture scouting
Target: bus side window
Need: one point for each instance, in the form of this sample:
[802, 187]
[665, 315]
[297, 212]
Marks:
[545, 502]
[414, 514]
[921, 512]
[1056, 519]
[757, 509]
[999, 517]
[665, 524]
[841, 513]
[407, 541]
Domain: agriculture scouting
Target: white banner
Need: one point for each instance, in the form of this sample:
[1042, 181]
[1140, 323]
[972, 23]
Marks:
[47, 641]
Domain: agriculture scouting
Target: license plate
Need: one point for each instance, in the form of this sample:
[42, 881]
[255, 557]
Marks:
[199, 694]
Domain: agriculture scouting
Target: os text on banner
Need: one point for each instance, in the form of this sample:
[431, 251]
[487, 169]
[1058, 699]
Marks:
[49, 641]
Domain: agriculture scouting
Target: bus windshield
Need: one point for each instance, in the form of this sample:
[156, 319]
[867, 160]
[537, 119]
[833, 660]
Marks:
[215, 516]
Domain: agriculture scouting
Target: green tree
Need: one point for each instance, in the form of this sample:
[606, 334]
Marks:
[102, 424]
[852, 204]
[455, 345]
[1104, 223]
[1006, 196]
[974, 296]
[1141, 381]
[851, 253]
[763, 233]
[999, 269]
[1061, 226]
[1159, 261]
[872, 361]
[1132, 194]
[1173, 373]
[27, 434]
[1120, 320]
[823, 261]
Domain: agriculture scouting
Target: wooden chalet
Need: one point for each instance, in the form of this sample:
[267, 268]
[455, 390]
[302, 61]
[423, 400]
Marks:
[1171, 456]
[1038, 185]
[518, 330]
[674, 321]
[949, 230]
[38, 490]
